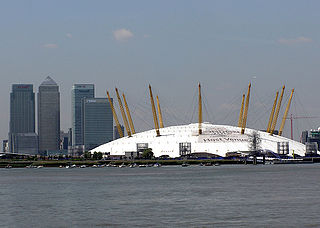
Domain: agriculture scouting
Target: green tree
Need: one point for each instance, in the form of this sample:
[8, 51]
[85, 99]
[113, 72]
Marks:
[87, 155]
[95, 156]
[99, 156]
[147, 154]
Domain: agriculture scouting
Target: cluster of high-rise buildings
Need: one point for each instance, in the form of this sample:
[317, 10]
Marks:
[312, 140]
[92, 120]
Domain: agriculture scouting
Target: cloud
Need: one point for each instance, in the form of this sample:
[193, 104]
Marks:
[122, 34]
[50, 46]
[297, 40]
[69, 35]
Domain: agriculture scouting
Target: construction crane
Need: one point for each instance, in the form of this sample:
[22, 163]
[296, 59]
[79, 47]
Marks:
[299, 117]
[155, 119]
[272, 112]
[241, 111]
[286, 113]
[200, 111]
[245, 114]
[124, 117]
[115, 116]
[274, 123]
[160, 113]
[129, 115]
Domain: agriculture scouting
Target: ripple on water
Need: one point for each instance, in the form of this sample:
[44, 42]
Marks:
[224, 196]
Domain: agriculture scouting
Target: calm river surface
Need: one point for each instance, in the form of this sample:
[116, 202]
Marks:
[223, 196]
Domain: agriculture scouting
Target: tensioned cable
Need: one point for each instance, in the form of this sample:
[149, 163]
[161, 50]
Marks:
[193, 106]
[235, 99]
[208, 108]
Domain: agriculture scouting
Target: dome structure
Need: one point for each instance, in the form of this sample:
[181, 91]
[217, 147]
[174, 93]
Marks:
[215, 139]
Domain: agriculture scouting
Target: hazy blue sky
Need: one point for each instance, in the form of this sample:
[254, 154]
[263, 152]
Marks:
[171, 44]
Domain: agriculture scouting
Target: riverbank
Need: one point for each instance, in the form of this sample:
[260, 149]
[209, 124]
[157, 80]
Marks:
[63, 163]
[88, 163]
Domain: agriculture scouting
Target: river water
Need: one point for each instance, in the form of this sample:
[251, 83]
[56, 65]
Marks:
[172, 196]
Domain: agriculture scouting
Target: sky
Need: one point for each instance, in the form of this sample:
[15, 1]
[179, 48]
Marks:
[172, 45]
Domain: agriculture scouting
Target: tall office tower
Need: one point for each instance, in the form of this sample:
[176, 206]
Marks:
[78, 93]
[22, 109]
[49, 115]
[22, 120]
[97, 122]
[5, 145]
[116, 134]
[64, 140]
[69, 137]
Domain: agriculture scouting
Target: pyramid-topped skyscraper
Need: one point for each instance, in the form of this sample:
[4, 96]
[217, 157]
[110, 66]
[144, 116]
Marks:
[48, 82]
[49, 116]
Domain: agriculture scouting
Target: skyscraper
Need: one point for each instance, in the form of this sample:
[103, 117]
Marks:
[22, 120]
[48, 115]
[97, 122]
[22, 109]
[116, 134]
[78, 93]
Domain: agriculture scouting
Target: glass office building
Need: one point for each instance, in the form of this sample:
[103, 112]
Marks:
[97, 122]
[79, 92]
[22, 119]
[25, 143]
[116, 134]
[49, 115]
[22, 109]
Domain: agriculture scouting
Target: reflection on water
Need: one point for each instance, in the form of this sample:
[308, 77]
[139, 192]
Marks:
[224, 196]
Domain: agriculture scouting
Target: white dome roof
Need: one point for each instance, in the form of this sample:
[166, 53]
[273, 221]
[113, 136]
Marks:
[215, 139]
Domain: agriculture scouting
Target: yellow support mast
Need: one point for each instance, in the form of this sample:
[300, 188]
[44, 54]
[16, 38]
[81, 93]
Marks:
[274, 123]
[129, 115]
[245, 115]
[200, 111]
[286, 113]
[115, 116]
[124, 117]
[272, 112]
[241, 111]
[155, 119]
[160, 113]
